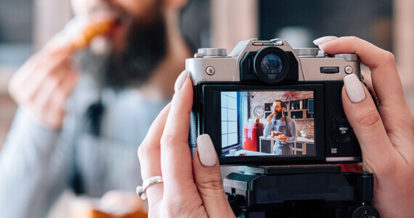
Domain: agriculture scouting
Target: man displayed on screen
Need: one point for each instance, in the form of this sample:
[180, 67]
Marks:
[283, 128]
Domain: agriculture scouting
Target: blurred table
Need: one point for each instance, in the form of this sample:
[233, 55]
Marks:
[300, 147]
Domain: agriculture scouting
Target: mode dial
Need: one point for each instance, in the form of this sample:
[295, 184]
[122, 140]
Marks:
[215, 52]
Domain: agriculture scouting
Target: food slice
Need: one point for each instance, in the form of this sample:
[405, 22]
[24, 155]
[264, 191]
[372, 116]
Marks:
[92, 30]
[282, 137]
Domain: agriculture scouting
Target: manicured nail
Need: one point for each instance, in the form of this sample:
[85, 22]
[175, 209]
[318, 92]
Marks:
[321, 40]
[206, 151]
[354, 88]
[180, 80]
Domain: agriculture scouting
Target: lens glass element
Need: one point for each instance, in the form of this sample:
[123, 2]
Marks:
[271, 64]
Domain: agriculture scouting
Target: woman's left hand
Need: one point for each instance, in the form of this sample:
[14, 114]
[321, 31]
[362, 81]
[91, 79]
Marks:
[191, 187]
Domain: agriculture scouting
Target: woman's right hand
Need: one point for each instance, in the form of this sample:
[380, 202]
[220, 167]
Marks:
[386, 135]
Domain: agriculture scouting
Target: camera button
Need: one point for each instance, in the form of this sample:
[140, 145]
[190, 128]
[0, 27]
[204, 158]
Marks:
[349, 70]
[213, 52]
[329, 70]
[343, 133]
[210, 70]
[343, 130]
[257, 43]
[343, 140]
[340, 120]
[277, 42]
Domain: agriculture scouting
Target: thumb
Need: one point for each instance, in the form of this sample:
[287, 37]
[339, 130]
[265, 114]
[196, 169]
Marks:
[208, 179]
[366, 122]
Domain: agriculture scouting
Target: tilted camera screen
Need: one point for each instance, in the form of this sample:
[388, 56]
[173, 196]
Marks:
[259, 123]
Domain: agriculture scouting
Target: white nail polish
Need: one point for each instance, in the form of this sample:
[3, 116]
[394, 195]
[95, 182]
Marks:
[354, 88]
[180, 80]
[321, 40]
[206, 151]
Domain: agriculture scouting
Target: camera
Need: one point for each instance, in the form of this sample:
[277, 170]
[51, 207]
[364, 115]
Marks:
[266, 103]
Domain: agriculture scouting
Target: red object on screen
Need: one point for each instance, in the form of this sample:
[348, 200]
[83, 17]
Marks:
[351, 168]
[251, 133]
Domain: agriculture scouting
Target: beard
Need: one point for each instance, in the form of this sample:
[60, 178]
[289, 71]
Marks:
[146, 44]
[279, 115]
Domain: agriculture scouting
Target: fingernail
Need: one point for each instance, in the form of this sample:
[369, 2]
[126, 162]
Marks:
[206, 151]
[180, 80]
[354, 88]
[321, 40]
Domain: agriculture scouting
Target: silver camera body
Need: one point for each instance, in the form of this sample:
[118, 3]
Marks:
[272, 68]
[213, 64]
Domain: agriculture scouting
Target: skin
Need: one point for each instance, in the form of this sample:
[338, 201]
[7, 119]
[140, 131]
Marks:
[277, 108]
[189, 188]
[386, 137]
[44, 83]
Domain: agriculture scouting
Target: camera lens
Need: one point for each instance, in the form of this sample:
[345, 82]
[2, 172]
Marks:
[271, 65]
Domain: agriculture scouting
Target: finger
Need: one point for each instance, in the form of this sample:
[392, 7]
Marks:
[53, 47]
[53, 87]
[149, 156]
[360, 110]
[208, 179]
[67, 87]
[16, 82]
[175, 152]
[36, 77]
[47, 54]
[367, 81]
[52, 105]
[385, 79]
[59, 95]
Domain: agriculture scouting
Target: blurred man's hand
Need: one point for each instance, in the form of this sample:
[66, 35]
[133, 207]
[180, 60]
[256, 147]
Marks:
[43, 84]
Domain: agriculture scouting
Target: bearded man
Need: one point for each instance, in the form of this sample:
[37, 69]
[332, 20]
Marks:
[82, 114]
[281, 124]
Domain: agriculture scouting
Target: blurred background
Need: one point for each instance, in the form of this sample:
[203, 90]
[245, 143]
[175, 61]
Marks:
[25, 25]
